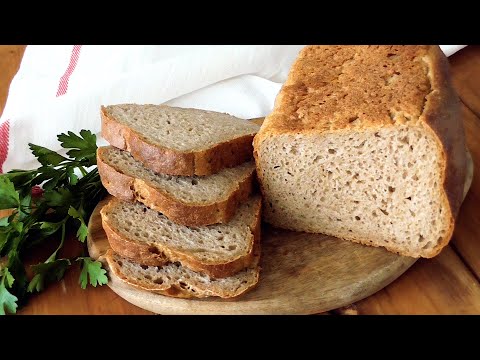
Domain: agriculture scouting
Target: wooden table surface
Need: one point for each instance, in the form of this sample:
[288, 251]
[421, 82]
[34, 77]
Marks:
[446, 284]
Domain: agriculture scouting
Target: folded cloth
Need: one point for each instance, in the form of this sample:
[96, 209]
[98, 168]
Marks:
[60, 88]
[451, 49]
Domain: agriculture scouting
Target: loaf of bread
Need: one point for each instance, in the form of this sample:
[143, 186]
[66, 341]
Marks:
[366, 143]
[187, 200]
[149, 238]
[178, 141]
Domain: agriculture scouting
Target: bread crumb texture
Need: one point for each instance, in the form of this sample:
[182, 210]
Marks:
[181, 129]
[174, 280]
[347, 151]
[214, 244]
[189, 189]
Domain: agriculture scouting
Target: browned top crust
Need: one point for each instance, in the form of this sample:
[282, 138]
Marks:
[336, 87]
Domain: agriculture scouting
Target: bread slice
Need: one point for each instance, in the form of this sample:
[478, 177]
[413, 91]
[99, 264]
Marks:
[366, 143]
[149, 238]
[186, 200]
[178, 141]
[177, 281]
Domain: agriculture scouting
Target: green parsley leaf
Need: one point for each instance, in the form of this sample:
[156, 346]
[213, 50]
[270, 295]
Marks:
[52, 269]
[8, 277]
[93, 270]
[46, 156]
[47, 273]
[8, 302]
[59, 197]
[22, 179]
[71, 175]
[49, 228]
[83, 148]
[10, 236]
[42, 230]
[25, 207]
[46, 173]
[9, 197]
[54, 182]
[17, 226]
[82, 230]
[4, 221]
[5, 232]
[16, 267]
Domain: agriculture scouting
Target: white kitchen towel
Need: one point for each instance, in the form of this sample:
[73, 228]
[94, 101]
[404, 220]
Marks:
[60, 88]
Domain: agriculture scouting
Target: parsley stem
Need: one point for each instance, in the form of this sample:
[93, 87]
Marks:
[54, 255]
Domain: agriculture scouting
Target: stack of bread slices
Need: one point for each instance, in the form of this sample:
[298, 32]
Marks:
[184, 220]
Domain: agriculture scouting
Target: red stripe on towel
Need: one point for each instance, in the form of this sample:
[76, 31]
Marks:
[4, 132]
[63, 85]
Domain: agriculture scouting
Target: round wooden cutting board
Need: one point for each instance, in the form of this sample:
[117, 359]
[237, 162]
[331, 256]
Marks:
[301, 274]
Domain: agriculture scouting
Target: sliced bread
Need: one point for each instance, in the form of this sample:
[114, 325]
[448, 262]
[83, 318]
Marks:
[150, 238]
[366, 143]
[186, 200]
[178, 141]
[177, 281]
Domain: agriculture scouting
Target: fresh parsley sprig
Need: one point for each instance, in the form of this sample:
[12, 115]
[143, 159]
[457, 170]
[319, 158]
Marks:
[71, 189]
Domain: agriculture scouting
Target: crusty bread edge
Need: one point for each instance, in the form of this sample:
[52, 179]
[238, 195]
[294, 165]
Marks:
[155, 255]
[128, 188]
[174, 162]
[174, 290]
[130, 249]
[441, 116]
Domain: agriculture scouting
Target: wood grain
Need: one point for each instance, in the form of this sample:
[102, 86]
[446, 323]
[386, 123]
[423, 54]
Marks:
[442, 285]
[465, 68]
[466, 238]
[10, 58]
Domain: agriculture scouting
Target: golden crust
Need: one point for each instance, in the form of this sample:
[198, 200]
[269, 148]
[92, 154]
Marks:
[357, 87]
[442, 115]
[365, 87]
[158, 255]
[174, 162]
[190, 214]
